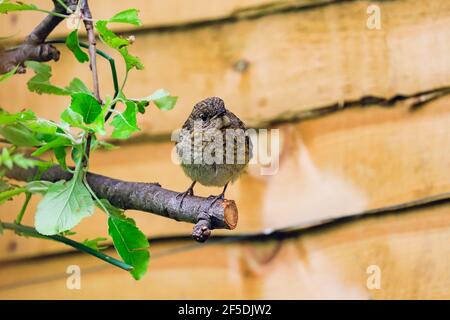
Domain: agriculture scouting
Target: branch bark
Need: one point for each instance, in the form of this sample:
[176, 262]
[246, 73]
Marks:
[33, 47]
[149, 197]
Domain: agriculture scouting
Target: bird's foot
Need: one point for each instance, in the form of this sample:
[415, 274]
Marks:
[215, 198]
[188, 192]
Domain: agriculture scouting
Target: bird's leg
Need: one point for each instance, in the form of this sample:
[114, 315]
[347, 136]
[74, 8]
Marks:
[189, 191]
[221, 196]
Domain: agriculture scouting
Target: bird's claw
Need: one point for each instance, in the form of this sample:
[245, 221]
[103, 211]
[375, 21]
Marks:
[188, 192]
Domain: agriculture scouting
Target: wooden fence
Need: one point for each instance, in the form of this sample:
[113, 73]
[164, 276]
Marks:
[341, 96]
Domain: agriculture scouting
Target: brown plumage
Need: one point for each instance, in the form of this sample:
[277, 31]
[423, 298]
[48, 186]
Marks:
[214, 147]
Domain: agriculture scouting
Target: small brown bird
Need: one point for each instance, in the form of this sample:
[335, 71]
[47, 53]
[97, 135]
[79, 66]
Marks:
[213, 146]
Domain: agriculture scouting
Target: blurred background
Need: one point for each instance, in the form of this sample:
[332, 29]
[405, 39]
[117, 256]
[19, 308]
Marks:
[355, 139]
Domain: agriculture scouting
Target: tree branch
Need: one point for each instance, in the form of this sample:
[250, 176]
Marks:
[87, 19]
[149, 197]
[33, 47]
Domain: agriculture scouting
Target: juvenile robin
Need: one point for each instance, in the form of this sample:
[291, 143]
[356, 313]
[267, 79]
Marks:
[213, 146]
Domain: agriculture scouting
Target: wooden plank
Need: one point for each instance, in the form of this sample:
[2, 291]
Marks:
[296, 61]
[410, 250]
[153, 13]
[347, 162]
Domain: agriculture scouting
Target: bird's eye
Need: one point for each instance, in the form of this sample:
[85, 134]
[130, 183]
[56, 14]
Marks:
[203, 116]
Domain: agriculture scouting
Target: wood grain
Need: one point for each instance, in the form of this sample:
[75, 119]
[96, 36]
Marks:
[409, 249]
[155, 13]
[295, 61]
[344, 163]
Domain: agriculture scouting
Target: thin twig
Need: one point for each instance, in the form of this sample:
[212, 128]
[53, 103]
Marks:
[92, 47]
[29, 231]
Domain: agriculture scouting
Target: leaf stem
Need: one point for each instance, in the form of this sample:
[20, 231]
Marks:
[112, 64]
[24, 208]
[29, 231]
[5, 195]
[61, 2]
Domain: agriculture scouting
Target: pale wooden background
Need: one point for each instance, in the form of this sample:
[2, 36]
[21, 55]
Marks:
[300, 59]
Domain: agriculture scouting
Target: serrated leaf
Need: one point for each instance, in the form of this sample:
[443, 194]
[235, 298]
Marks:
[74, 46]
[55, 143]
[127, 16]
[19, 135]
[130, 60]
[76, 85]
[131, 244]
[109, 37]
[64, 205]
[125, 122]
[9, 74]
[118, 43]
[7, 6]
[86, 105]
[40, 82]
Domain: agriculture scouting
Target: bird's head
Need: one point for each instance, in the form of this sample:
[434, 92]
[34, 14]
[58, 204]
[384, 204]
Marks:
[208, 109]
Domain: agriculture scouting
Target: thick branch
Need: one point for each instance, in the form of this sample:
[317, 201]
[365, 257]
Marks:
[33, 47]
[150, 197]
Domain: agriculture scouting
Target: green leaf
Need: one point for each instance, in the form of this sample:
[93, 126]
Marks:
[10, 118]
[72, 118]
[161, 98]
[118, 43]
[130, 60]
[74, 46]
[64, 205]
[40, 82]
[125, 122]
[130, 243]
[110, 209]
[61, 154]
[127, 16]
[23, 162]
[4, 186]
[9, 194]
[19, 135]
[55, 143]
[7, 6]
[6, 158]
[8, 74]
[95, 243]
[109, 37]
[166, 103]
[76, 85]
[86, 105]
[39, 186]
[106, 145]
[42, 126]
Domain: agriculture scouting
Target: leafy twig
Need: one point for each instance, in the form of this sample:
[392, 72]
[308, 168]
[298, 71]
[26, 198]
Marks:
[29, 231]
